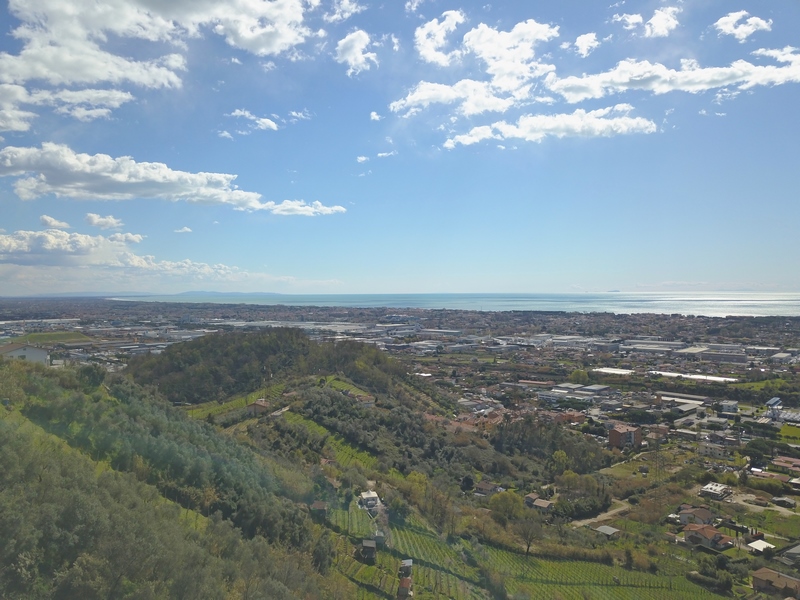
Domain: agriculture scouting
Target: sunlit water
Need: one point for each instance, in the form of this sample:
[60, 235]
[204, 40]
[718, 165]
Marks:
[707, 304]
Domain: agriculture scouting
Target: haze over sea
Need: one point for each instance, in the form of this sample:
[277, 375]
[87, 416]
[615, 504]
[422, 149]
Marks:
[719, 304]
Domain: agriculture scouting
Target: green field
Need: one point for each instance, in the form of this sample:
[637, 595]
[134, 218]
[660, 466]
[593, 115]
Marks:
[443, 571]
[343, 386]
[345, 454]
[790, 433]
[52, 337]
[213, 409]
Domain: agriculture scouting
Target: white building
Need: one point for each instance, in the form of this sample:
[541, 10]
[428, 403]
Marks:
[25, 352]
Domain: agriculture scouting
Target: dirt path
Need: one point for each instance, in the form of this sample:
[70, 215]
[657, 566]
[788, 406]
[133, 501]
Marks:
[616, 508]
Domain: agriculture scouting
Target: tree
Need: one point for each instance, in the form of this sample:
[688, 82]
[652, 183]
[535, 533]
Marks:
[579, 376]
[506, 504]
[560, 462]
[529, 528]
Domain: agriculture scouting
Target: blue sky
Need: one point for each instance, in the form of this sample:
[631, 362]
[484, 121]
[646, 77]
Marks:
[347, 146]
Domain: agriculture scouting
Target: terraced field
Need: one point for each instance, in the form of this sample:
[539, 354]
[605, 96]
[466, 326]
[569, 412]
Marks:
[214, 409]
[346, 455]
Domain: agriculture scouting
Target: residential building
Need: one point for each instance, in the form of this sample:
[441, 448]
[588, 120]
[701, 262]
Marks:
[624, 436]
[25, 352]
[697, 516]
[707, 536]
[772, 582]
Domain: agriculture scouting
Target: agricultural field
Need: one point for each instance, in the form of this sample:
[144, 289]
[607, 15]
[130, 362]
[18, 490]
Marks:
[790, 433]
[334, 382]
[214, 409]
[352, 521]
[53, 337]
[345, 454]
[443, 570]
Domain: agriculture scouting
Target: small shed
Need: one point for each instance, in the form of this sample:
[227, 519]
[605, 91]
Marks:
[405, 567]
[368, 550]
[610, 532]
[259, 407]
[369, 498]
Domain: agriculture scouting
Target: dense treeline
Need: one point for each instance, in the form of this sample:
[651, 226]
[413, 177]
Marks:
[218, 366]
[67, 533]
[188, 461]
[583, 454]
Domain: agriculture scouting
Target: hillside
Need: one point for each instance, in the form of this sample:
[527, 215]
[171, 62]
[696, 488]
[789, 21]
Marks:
[249, 506]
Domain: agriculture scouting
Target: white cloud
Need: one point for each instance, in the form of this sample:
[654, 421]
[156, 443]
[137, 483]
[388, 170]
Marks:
[60, 171]
[473, 97]
[628, 21]
[183, 230]
[53, 246]
[12, 116]
[431, 37]
[108, 222]
[511, 68]
[343, 10]
[654, 77]
[224, 134]
[387, 154]
[63, 43]
[126, 238]
[663, 22]
[258, 122]
[730, 25]
[362, 159]
[300, 207]
[235, 61]
[373, 116]
[586, 44]
[84, 105]
[52, 223]
[301, 115]
[510, 55]
[604, 122]
[351, 51]
[413, 5]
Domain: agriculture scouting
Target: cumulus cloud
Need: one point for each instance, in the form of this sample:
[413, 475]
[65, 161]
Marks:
[126, 238]
[343, 10]
[84, 105]
[56, 247]
[511, 67]
[413, 5]
[63, 44]
[585, 44]
[431, 37]
[183, 230]
[603, 122]
[257, 122]
[691, 77]
[663, 22]
[730, 25]
[362, 159]
[52, 223]
[351, 51]
[628, 21]
[56, 169]
[373, 116]
[108, 222]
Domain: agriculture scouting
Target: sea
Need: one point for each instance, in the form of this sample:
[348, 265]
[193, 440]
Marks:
[719, 304]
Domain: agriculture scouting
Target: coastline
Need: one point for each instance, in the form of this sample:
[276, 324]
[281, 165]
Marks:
[711, 304]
